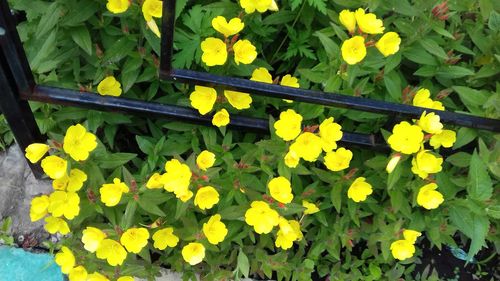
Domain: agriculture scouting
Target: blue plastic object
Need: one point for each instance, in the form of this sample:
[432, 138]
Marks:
[19, 265]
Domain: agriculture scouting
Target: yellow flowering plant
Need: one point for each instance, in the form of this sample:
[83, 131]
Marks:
[131, 195]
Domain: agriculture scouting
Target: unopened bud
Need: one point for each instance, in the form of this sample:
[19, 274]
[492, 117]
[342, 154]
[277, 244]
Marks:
[393, 163]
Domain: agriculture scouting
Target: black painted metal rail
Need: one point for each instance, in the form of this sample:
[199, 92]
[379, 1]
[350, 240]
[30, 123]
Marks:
[17, 86]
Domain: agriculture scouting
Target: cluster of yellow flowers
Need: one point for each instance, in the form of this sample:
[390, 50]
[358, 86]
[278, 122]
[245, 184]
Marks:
[405, 248]
[177, 179]
[410, 139]
[150, 9]
[66, 259]
[354, 49]
[309, 145]
[215, 51]
[64, 201]
[263, 218]
[204, 98]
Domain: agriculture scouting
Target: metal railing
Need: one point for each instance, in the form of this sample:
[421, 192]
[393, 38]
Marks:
[17, 87]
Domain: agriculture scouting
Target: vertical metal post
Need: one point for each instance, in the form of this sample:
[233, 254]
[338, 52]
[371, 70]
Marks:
[16, 78]
[167, 36]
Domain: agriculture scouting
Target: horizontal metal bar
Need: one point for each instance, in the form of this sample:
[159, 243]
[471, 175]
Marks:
[149, 110]
[327, 99]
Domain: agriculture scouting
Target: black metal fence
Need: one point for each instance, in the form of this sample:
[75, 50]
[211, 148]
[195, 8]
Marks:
[17, 87]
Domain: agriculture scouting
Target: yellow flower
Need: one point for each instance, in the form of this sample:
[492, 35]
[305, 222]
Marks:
[238, 100]
[430, 123]
[39, 206]
[134, 239]
[154, 27]
[368, 23]
[203, 99]
[261, 217]
[177, 177]
[54, 225]
[425, 163]
[289, 126]
[388, 44]
[35, 151]
[78, 273]
[262, 75]
[73, 182]
[92, 238]
[78, 143]
[65, 259]
[292, 159]
[281, 190]
[422, 99]
[118, 6]
[205, 160]
[184, 195]
[214, 51]
[221, 118]
[288, 233]
[260, 5]
[152, 8]
[402, 249]
[393, 163]
[193, 253]
[96, 276]
[155, 181]
[65, 204]
[348, 20]
[111, 193]
[428, 197]
[125, 278]
[411, 235]
[54, 166]
[330, 132]
[244, 52]
[111, 251]
[406, 138]
[290, 81]
[445, 139]
[164, 238]
[273, 7]
[359, 190]
[215, 230]
[354, 49]
[206, 197]
[338, 160]
[234, 26]
[109, 86]
[311, 208]
[308, 146]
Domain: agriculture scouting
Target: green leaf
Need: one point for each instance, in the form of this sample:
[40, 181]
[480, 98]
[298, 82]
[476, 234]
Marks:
[473, 99]
[493, 211]
[459, 159]
[46, 48]
[432, 47]
[453, 72]
[151, 208]
[494, 21]
[479, 185]
[336, 196]
[393, 84]
[48, 20]
[473, 225]
[111, 161]
[464, 136]
[81, 36]
[243, 264]
[129, 215]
